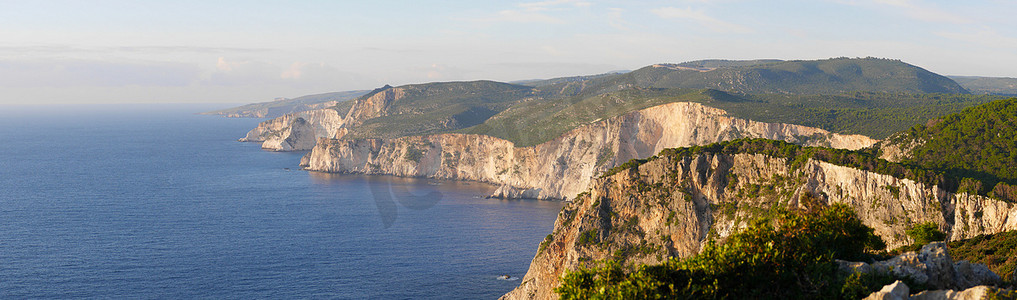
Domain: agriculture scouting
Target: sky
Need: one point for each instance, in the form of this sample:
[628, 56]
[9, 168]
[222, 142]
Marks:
[56, 52]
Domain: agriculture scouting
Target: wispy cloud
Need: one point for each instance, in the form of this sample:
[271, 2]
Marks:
[72, 72]
[552, 4]
[700, 17]
[985, 37]
[538, 12]
[615, 19]
[524, 16]
[917, 10]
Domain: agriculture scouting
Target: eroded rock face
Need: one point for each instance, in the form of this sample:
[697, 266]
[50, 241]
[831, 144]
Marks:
[932, 267]
[672, 206]
[374, 105]
[894, 291]
[899, 291]
[296, 131]
[560, 168]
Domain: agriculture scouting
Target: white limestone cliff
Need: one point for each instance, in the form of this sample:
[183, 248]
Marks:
[557, 169]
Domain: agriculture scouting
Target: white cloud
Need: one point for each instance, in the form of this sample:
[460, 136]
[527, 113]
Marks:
[295, 70]
[551, 4]
[522, 16]
[615, 19]
[700, 17]
[986, 37]
[75, 72]
[913, 9]
[537, 12]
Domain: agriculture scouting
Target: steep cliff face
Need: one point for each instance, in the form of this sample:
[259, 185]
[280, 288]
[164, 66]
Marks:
[276, 111]
[670, 207]
[563, 167]
[296, 131]
[373, 105]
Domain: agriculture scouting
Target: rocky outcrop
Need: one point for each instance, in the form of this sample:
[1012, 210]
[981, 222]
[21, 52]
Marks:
[296, 131]
[373, 105]
[267, 111]
[671, 206]
[894, 291]
[557, 169]
[900, 291]
[931, 267]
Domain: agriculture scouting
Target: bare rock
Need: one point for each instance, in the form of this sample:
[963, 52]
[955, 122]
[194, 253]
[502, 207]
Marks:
[894, 291]
[973, 293]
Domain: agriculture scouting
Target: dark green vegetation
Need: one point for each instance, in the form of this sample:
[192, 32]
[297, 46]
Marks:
[874, 114]
[865, 159]
[924, 233]
[979, 142]
[877, 115]
[828, 76]
[441, 107]
[534, 122]
[988, 85]
[788, 257]
[559, 80]
[302, 103]
[874, 97]
[997, 251]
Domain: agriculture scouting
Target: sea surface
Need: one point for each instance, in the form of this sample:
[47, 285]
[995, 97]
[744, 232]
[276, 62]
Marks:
[153, 201]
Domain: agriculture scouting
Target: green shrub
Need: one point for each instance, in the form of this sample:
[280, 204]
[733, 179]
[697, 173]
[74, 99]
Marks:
[924, 233]
[793, 260]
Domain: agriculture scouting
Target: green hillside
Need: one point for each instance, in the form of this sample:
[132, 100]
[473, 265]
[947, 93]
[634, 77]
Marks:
[876, 115]
[830, 76]
[553, 81]
[724, 63]
[997, 251]
[988, 85]
[442, 107]
[979, 142]
[873, 97]
[281, 107]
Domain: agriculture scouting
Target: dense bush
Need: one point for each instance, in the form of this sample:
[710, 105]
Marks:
[924, 233]
[978, 143]
[997, 251]
[864, 159]
[792, 259]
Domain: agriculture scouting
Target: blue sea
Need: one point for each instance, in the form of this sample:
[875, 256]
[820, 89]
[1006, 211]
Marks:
[153, 201]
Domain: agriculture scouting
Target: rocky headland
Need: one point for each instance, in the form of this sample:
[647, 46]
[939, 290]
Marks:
[562, 167]
[671, 206]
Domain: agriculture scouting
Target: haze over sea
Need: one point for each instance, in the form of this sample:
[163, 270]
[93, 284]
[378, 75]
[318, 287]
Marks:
[152, 201]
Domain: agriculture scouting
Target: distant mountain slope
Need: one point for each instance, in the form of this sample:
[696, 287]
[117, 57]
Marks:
[887, 96]
[876, 115]
[724, 63]
[553, 81]
[278, 108]
[979, 142]
[829, 76]
[429, 108]
[988, 85]
[799, 77]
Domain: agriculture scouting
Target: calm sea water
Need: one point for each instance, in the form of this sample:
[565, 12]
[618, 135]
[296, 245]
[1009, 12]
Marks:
[151, 201]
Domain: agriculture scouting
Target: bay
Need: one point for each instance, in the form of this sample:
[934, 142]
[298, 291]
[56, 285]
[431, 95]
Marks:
[152, 201]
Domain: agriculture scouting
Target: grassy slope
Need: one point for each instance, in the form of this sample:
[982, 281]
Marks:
[811, 93]
[872, 114]
[830, 76]
[988, 85]
[443, 107]
[299, 101]
[535, 122]
[980, 142]
[998, 251]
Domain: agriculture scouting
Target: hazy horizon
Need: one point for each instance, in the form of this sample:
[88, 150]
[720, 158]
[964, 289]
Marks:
[241, 52]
